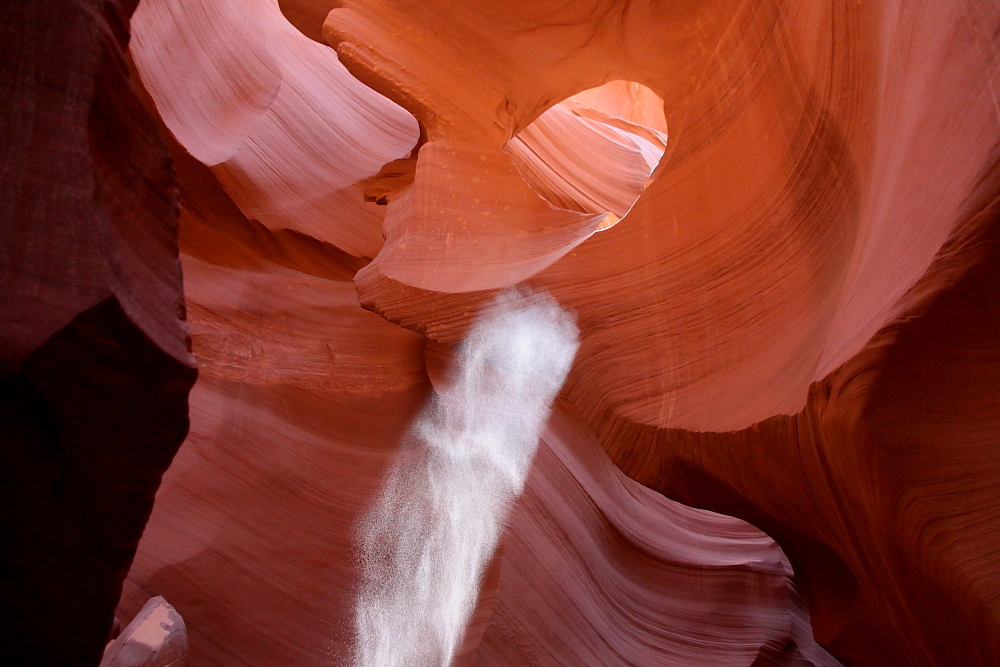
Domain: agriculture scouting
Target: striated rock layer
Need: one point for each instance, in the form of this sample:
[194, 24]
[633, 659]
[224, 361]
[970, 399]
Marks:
[598, 570]
[273, 113]
[883, 490]
[813, 175]
[810, 180]
[96, 365]
[787, 316]
[302, 400]
[806, 187]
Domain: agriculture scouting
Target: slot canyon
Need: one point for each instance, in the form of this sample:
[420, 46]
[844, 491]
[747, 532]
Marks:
[482, 333]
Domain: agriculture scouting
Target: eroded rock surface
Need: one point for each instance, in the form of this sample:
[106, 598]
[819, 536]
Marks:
[96, 364]
[806, 187]
[156, 637]
[787, 316]
[304, 397]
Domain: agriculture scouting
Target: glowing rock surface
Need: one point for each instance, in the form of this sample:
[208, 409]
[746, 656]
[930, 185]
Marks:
[775, 222]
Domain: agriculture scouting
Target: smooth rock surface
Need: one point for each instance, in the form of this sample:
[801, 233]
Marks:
[787, 315]
[303, 398]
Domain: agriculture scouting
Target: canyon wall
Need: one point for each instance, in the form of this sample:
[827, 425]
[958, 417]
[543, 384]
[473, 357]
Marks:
[774, 220]
[96, 357]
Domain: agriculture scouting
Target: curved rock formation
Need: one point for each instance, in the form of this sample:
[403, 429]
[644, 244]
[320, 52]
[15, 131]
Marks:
[273, 113]
[598, 570]
[762, 166]
[787, 316]
[883, 490]
[303, 398]
[811, 179]
[739, 281]
[621, 124]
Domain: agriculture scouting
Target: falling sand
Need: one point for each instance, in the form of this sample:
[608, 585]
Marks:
[428, 537]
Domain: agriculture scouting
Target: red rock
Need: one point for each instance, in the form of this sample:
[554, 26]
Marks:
[793, 326]
[598, 570]
[882, 491]
[96, 364]
[302, 398]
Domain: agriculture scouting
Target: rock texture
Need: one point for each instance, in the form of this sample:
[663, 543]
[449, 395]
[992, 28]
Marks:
[302, 399]
[883, 490]
[156, 637]
[598, 570]
[806, 188]
[273, 113]
[787, 316]
[783, 146]
[816, 190]
[96, 365]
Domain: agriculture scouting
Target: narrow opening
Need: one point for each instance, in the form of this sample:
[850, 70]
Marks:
[594, 152]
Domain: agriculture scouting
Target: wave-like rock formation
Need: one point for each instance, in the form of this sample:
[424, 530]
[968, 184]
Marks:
[273, 113]
[816, 191]
[774, 220]
[598, 570]
[292, 429]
